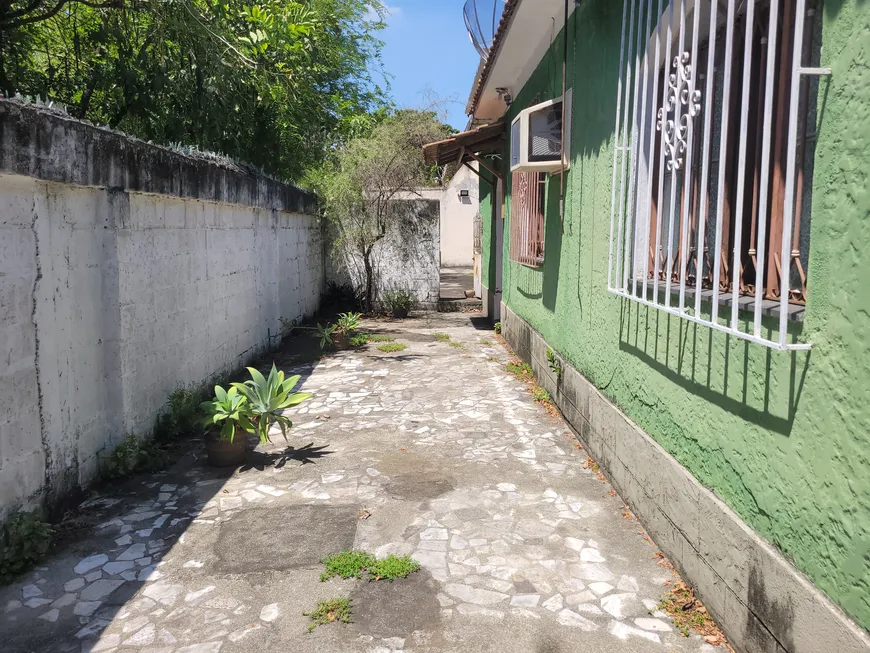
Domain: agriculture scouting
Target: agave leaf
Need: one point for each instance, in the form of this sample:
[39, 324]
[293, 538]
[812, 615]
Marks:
[257, 377]
[298, 398]
[291, 382]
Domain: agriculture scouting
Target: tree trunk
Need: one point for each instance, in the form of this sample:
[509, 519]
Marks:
[370, 280]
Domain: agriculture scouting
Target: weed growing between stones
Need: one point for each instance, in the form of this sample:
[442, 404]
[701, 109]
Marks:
[456, 345]
[689, 614]
[442, 337]
[392, 347]
[24, 541]
[360, 339]
[485, 342]
[379, 337]
[540, 395]
[523, 371]
[181, 416]
[347, 564]
[328, 612]
[134, 456]
[497, 327]
[355, 564]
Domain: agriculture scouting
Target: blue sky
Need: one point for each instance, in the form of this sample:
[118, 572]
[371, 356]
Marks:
[428, 50]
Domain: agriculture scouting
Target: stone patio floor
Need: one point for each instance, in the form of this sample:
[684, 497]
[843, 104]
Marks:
[435, 452]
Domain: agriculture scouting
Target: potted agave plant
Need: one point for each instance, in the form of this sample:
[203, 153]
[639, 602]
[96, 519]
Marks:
[249, 407]
[343, 327]
[227, 426]
[400, 302]
[267, 399]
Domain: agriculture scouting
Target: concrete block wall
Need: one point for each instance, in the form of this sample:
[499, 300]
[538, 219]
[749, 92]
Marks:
[110, 298]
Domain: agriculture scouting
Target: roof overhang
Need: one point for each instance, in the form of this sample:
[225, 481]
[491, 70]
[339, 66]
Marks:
[467, 146]
[524, 35]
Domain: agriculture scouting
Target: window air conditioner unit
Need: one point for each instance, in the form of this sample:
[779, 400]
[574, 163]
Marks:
[536, 137]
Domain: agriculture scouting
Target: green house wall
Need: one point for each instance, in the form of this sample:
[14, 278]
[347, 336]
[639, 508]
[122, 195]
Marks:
[782, 437]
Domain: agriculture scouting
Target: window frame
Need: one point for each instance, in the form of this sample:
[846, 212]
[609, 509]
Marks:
[528, 218]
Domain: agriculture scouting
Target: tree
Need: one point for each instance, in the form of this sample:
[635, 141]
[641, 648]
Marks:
[360, 183]
[273, 84]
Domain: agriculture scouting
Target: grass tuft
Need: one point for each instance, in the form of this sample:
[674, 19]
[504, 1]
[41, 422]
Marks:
[456, 345]
[485, 342]
[392, 346]
[392, 567]
[327, 612]
[347, 564]
[353, 564]
[521, 370]
[540, 395]
[442, 337]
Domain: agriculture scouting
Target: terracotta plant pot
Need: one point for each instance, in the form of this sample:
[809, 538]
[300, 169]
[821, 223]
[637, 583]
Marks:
[341, 340]
[400, 313]
[223, 453]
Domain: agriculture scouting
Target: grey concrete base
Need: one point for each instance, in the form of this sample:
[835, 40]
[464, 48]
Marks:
[758, 598]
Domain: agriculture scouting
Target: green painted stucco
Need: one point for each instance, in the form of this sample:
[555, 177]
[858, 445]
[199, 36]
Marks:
[783, 438]
[487, 196]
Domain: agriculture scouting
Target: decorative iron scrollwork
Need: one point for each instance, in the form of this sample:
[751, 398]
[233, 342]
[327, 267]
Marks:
[679, 92]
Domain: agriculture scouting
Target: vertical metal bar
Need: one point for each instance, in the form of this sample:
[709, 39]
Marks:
[663, 119]
[736, 267]
[675, 171]
[723, 146]
[704, 216]
[652, 142]
[791, 161]
[631, 202]
[688, 201]
[765, 163]
[641, 133]
[616, 149]
[620, 250]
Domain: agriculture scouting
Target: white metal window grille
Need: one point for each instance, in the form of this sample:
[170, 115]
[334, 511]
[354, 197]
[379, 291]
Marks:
[528, 193]
[710, 161]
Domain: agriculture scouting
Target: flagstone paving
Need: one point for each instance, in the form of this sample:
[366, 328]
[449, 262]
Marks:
[435, 452]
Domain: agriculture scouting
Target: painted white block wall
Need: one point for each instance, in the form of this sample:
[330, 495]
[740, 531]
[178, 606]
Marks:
[109, 300]
[457, 219]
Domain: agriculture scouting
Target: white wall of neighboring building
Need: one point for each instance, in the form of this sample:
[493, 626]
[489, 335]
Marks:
[457, 219]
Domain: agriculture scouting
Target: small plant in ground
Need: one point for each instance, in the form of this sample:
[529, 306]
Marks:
[347, 564]
[134, 456]
[392, 347]
[540, 395]
[327, 612]
[442, 337]
[392, 567]
[181, 415]
[689, 614]
[521, 370]
[379, 337]
[554, 363]
[456, 345]
[497, 327]
[484, 341]
[325, 332]
[24, 541]
[353, 564]
[359, 339]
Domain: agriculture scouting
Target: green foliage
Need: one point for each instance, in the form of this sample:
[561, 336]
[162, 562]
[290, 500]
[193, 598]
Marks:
[325, 332]
[181, 415]
[227, 411]
[359, 181]
[24, 541]
[328, 612]
[521, 370]
[456, 345]
[347, 564]
[134, 456]
[442, 337]
[275, 83]
[540, 395]
[359, 339]
[399, 300]
[554, 363]
[267, 398]
[497, 327]
[353, 564]
[380, 337]
[392, 567]
[391, 347]
[347, 322]
[485, 342]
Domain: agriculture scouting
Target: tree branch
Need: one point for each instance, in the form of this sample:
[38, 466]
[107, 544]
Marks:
[15, 19]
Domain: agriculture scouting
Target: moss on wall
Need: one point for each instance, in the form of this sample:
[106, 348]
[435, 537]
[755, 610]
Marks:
[781, 437]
